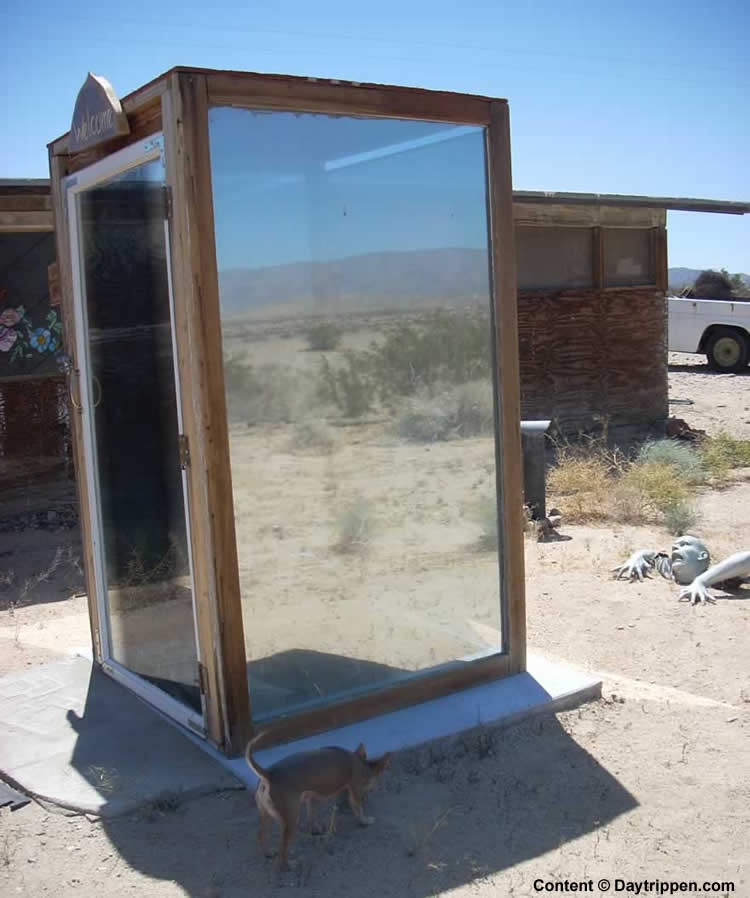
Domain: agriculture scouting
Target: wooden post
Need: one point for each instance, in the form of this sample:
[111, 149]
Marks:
[200, 360]
[509, 472]
[58, 171]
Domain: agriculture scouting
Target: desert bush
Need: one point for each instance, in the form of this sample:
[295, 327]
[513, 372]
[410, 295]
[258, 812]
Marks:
[354, 527]
[465, 411]
[581, 484]
[348, 386]
[723, 452]
[680, 456]
[447, 346]
[309, 435]
[269, 394]
[658, 483]
[475, 409]
[679, 517]
[324, 336]
[485, 514]
[425, 422]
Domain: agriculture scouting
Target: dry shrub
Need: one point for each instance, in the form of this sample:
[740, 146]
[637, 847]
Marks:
[580, 484]
[722, 453]
[680, 517]
[324, 336]
[485, 514]
[658, 483]
[310, 436]
[458, 413]
[592, 483]
[679, 455]
[354, 526]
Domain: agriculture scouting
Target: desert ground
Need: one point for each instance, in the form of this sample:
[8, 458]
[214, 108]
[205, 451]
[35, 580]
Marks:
[649, 783]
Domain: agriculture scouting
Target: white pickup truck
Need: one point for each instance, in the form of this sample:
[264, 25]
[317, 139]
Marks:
[716, 328]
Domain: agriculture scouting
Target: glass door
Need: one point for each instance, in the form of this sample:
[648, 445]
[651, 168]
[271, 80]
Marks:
[129, 398]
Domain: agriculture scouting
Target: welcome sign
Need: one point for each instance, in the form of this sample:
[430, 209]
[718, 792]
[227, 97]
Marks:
[98, 115]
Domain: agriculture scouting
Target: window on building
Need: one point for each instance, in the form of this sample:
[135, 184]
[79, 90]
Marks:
[554, 257]
[628, 257]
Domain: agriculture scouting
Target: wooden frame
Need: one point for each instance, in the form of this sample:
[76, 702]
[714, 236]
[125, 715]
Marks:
[177, 104]
[25, 207]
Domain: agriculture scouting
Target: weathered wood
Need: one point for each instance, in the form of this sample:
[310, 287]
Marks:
[623, 200]
[509, 470]
[661, 263]
[26, 221]
[149, 95]
[10, 201]
[144, 121]
[200, 356]
[188, 366]
[560, 215]
[344, 98]
[593, 355]
[98, 116]
[65, 274]
[597, 257]
[410, 692]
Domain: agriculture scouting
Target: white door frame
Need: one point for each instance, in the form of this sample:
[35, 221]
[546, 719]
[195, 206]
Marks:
[130, 157]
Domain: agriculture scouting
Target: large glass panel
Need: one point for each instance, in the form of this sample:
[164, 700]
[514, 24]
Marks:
[135, 428]
[357, 329]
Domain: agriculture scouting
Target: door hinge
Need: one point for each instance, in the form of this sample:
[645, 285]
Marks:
[184, 450]
[167, 195]
[202, 679]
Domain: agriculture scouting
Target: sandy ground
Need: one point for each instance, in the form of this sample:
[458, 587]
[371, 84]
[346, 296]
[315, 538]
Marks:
[652, 782]
[712, 402]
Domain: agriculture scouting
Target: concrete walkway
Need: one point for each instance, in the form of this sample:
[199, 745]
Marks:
[71, 735]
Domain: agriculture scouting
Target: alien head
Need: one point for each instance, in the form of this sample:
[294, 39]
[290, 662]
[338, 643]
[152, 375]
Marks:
[689, 558]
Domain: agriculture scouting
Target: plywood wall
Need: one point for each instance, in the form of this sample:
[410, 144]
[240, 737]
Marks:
[591, 355]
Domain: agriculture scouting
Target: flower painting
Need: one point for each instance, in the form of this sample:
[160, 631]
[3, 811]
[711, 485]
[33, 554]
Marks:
[23, 339]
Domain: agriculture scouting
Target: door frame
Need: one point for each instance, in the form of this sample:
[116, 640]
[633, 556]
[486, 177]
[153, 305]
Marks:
[132, 156]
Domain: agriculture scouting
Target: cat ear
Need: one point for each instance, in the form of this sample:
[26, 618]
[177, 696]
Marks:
[361, 751]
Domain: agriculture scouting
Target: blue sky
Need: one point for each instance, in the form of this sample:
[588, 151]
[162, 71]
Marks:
[608, 97]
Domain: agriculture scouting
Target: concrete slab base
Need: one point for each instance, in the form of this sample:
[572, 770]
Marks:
[74, 737]
[546, 686]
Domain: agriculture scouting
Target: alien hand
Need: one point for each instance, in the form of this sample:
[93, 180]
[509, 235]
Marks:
[636, 567]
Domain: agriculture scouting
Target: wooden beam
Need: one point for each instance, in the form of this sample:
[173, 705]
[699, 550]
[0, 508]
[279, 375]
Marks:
[421, 688]
[344, 98]
[62, 245]
[576, 216]
[597, 258]
[200, 360]
[26, 221]
[509, 471]
[29, 202]
[661, 263]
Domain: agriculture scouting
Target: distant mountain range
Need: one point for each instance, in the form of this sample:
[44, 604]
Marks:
[678, 277]
[416, 275]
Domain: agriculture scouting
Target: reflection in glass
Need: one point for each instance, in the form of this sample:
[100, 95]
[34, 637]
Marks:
[127, 306]
[355, 306]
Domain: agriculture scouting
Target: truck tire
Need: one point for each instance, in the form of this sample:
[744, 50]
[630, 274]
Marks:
[727, 350]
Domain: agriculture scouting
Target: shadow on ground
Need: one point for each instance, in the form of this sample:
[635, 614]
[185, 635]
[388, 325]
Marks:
[449, 813]
[705, 369]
